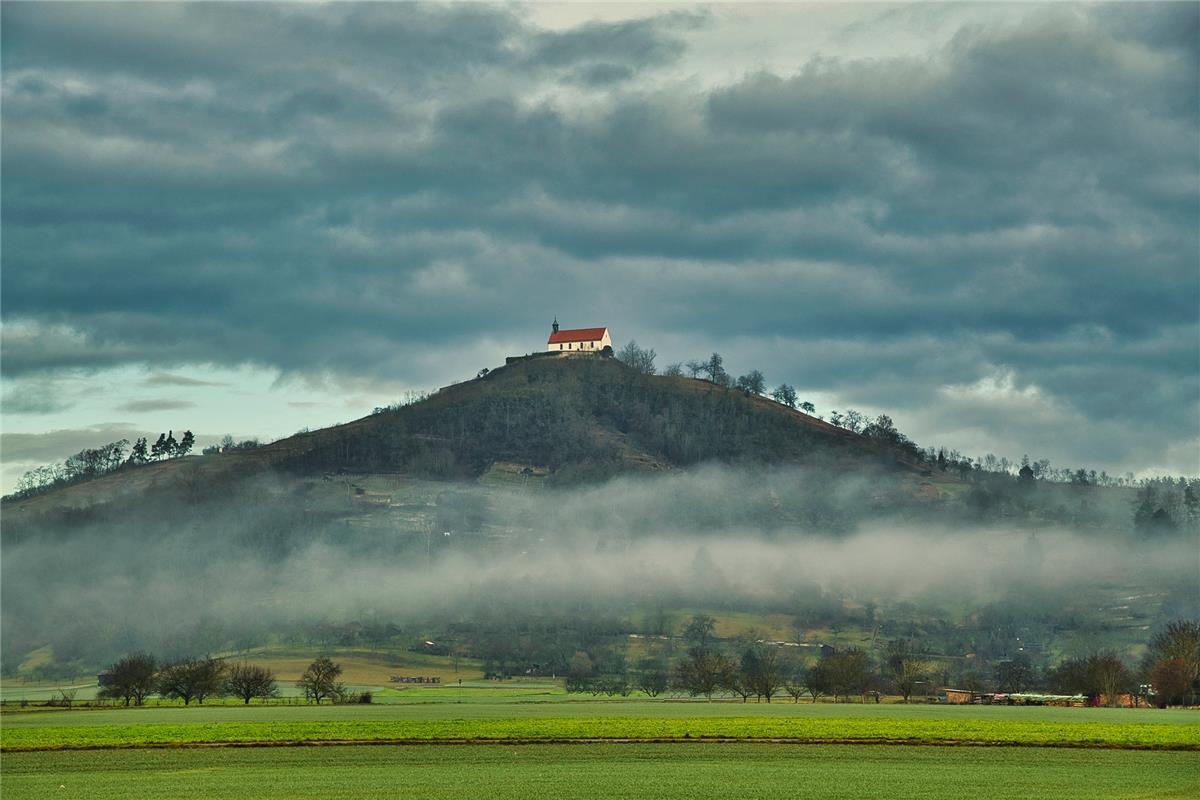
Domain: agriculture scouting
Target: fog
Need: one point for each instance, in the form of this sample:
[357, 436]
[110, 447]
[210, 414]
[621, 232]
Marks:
[281, 558]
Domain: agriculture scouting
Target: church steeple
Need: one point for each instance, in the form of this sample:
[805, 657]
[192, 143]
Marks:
[554, 327]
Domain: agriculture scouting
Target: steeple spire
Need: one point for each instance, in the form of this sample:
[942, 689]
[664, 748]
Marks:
[554, 327]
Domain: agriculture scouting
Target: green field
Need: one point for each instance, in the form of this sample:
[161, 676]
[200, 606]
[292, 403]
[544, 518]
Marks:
[596, 720]
[693, 770]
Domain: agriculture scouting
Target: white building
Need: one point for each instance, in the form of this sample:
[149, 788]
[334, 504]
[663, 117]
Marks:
[587, 340]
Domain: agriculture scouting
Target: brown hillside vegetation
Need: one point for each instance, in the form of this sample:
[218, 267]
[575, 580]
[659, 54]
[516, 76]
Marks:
[573, 418]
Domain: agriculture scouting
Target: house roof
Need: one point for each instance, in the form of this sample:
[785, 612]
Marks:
[577, 335]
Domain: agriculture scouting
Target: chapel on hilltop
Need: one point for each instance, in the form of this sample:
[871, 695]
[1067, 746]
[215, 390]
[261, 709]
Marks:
[587, 340]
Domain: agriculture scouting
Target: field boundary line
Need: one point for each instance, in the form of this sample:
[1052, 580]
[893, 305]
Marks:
[529, 740]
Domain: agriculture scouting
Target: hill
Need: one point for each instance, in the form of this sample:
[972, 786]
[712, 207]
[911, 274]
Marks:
[568, 419]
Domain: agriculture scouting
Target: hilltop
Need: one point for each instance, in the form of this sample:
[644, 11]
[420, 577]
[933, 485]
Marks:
[569, 419]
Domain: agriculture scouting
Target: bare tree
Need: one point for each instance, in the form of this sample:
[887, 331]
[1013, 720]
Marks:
[849, 672]
[1014, 674]
[248, 681]
[904, 668]
[715, 369]
[652, 677]
[320, 680]
[192, 679]
[637, 358]
[739, 680]
[793, 684]
[817, 680]
[785, 394]
[702, 672]
[752, 382]
[765, 670]
[699, 631]
[1179, 642]
[130, 679]
[1110, 676]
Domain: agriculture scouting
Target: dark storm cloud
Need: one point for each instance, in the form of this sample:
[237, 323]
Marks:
[406, 190]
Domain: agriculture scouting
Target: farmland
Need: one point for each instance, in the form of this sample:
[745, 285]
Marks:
[695, 770]
[515, 721]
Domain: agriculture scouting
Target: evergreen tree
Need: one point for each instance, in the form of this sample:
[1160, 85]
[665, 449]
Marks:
[170, 446]
[1191, 504]
[185, 444]
[138, 454]
[158, 449]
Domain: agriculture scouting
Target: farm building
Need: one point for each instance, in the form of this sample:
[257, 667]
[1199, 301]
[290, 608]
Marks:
[958, 696]
[587, 340]
[966, 696]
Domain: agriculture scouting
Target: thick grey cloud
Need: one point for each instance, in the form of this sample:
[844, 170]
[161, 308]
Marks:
[407, 190]
[24, 451]
[167, 379]
[139, 406]
[43, 447]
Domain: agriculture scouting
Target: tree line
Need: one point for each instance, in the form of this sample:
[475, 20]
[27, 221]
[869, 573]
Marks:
[1163, 503]
[92, 462]
[136, 677]
[1169, 674]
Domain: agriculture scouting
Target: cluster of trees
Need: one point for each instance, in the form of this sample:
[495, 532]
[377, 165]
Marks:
[880, 429]
[92, 462]
[1162, 505]
[136, 677]
[228, 445]
[712, 370]
[750, 668]
[1178, 500]
[414, 396]
[84, 465]
[1170, 670]
[1172, 663]
[763, 671]
[1169, 674]
[164, 447]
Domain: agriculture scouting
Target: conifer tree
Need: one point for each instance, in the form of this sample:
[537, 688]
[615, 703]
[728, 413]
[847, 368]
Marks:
[138, 454]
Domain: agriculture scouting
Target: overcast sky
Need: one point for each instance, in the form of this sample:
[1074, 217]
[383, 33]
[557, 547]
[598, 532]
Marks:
[983, 220]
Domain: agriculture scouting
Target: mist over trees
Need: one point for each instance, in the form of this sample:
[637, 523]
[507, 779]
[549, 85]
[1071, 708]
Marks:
[227, 564]
[624, 499]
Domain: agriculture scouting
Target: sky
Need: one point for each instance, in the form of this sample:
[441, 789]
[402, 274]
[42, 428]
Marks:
[982, 220]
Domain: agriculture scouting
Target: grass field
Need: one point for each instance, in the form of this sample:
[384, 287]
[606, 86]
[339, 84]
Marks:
[693, 770]
[628, 720]
[360, 669]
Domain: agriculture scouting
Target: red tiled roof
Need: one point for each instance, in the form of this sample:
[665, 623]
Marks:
[577, 335]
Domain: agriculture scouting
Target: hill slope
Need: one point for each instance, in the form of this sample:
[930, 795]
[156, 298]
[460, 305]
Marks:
[574, 418]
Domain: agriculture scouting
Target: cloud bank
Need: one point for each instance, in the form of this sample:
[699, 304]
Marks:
[993, 237]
